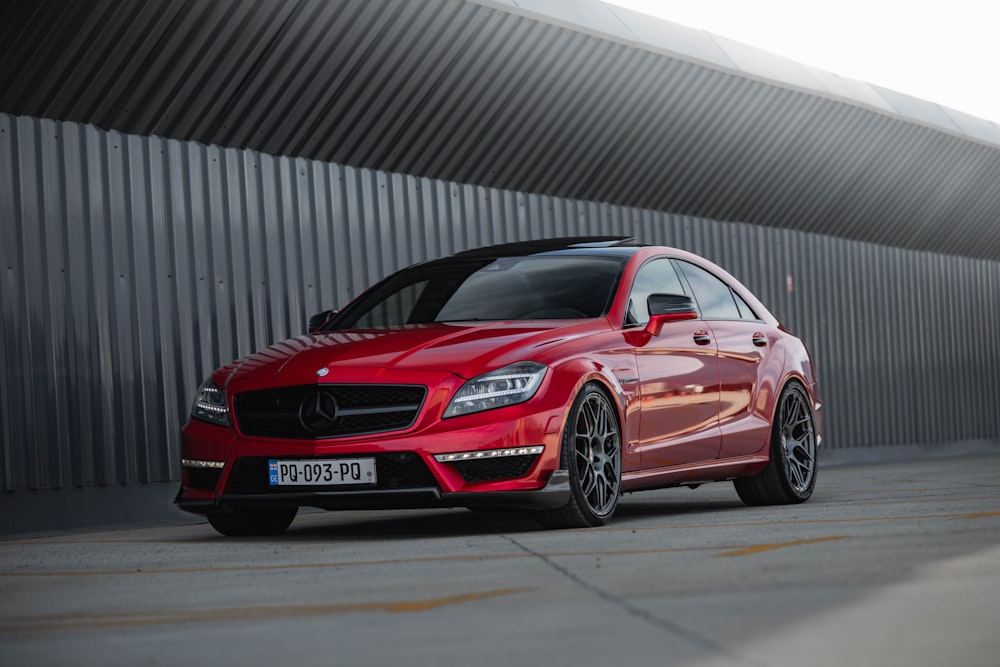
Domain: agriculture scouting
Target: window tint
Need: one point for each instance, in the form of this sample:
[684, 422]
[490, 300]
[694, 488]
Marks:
[394, 310]
[529, 288]
[505, 288]
[714, 296]
[654, 277]
[746, 312]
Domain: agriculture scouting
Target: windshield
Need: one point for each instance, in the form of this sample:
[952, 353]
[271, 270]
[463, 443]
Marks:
[506, 288]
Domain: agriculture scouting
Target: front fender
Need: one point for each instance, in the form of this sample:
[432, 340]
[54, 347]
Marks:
[619, 381]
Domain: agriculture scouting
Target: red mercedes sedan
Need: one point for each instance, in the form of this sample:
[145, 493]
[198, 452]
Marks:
[550, 376]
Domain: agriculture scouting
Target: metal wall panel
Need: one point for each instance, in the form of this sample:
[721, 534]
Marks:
[132, 266]
[487, 93]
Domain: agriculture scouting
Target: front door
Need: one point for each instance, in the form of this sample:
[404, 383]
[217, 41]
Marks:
[678, 377]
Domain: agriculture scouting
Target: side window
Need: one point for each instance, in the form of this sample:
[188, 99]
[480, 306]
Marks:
[746, 312]
[713, 296]
[654, 277]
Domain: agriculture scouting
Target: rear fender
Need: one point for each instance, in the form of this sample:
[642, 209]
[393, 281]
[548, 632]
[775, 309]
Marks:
[799, 366]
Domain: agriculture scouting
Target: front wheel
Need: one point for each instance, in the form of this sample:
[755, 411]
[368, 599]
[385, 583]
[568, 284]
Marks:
[592, 452]
[790, 475]
[253, 521]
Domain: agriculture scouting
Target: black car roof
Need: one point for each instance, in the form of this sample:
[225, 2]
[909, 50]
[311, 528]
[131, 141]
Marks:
[615, 245]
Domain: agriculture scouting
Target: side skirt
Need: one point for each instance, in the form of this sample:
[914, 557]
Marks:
[694, 473]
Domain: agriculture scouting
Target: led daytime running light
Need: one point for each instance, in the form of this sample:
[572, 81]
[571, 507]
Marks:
[488, 454]
[198, 463]
[520, 382]
[505, 386]
[210, 404]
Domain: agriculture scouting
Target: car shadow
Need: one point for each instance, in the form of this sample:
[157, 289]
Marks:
[665, 508]
[411, 524]
[424, 524]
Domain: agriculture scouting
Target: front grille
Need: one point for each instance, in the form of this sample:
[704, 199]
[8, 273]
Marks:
[396, 470]
[313, 412]
[506, 467]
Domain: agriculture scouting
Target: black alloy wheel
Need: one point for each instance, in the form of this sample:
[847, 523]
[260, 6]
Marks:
[592, 452]
[790, 475]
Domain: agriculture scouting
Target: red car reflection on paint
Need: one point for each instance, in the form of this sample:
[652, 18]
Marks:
[549, 376]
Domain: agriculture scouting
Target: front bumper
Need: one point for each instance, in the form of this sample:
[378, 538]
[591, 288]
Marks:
[225, 469]
[553, 495]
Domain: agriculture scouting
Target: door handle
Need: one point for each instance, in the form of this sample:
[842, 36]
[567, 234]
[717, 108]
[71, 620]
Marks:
[702, 338]
[759, 340]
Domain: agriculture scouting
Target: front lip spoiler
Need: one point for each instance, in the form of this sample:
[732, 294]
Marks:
[553, 495]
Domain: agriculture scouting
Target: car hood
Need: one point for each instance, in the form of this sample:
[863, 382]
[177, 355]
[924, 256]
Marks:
[465, 349]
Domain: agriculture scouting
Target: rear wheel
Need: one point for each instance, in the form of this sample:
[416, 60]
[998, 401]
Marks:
[790, 475]
[592, 452]
[250, 521]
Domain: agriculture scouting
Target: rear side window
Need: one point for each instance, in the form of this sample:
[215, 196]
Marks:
[746, 312]
[713, 296]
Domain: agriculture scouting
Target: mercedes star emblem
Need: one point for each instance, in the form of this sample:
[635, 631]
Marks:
[318, 412]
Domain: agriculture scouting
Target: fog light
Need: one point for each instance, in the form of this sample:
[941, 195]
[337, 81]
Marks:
[455, 457]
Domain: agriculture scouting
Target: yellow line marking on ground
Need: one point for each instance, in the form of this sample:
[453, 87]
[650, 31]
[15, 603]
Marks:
[979, 515]
[474, 557]
[44, 542]
[782, 545]
[258, 568]
[790, 522]
[318, 517]
[855, 489]
[393, 561]
[854, 502]
[138, 618]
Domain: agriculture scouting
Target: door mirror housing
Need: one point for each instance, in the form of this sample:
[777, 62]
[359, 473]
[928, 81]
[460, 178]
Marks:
[664, 308]
[319, 319]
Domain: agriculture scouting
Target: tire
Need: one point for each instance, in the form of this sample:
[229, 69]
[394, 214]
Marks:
[790, 475]
[592, 452]
[253, 521]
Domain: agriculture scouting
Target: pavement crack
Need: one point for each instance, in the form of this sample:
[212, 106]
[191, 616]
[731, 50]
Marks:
[701, 641]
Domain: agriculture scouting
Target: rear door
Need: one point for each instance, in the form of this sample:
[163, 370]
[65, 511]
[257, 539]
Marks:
[742, 345]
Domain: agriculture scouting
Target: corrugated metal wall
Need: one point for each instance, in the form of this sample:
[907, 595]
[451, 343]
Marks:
[132, 266]
[459, 91]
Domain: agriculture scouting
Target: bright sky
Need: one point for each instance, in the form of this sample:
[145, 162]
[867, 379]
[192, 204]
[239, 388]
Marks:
[945, 52]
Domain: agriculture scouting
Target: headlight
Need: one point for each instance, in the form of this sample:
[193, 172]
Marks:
[210, 404]
[505, 386]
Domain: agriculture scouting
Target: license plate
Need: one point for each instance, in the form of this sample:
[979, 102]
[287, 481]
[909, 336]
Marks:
[320, 472]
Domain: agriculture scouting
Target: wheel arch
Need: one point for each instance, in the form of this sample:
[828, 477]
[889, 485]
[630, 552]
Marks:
[798, 366]
[815, 406]
[595, 485]
[593, 372]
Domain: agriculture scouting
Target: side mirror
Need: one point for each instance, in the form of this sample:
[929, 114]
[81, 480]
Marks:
[664, 308]
[319, 319]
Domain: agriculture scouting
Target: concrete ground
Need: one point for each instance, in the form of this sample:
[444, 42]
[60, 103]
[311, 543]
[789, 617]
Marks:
[889, 564]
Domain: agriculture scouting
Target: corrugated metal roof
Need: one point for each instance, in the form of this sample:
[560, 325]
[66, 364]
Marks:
[566, 99]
